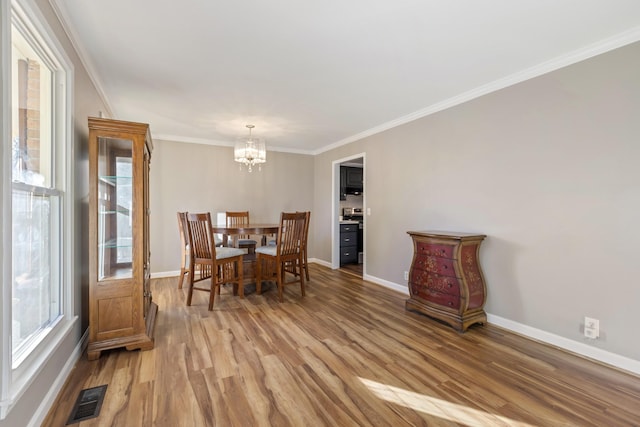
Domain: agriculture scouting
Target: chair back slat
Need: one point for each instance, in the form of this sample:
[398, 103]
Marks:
[291, 233]
[201, 236]
[238, 218]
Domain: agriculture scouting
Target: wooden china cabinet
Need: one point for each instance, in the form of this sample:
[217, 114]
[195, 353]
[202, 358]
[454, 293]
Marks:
[121, 311]
[445, 280]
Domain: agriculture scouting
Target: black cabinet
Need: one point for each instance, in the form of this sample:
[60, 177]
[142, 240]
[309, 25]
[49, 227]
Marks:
[353, 180]
[348, 244]
[343, 183]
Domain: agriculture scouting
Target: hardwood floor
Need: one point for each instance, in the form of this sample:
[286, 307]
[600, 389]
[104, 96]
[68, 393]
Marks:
[353, 268]
[346, 354]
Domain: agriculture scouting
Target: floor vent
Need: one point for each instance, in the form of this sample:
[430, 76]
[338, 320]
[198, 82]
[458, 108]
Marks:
[88, 404]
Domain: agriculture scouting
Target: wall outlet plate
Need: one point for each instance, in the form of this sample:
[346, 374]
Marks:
[590, 333]
[591, 327]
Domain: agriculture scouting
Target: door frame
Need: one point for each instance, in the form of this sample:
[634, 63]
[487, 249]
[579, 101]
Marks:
[335, 210]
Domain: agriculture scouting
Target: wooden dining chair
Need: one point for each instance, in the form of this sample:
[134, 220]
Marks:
[243, 241]
[286, 256]
[184, 248]
[290, 267]
[220, 265]
[305, 263]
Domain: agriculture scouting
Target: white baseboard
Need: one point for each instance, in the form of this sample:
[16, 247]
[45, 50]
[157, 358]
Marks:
[321, 262]
[387, 284]
[581, 349]
[48, 401]
[163, 274]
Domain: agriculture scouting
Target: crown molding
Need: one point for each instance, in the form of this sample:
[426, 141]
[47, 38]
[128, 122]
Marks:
[190, 140]
[598, 48]
[60, 9]
[204, 141]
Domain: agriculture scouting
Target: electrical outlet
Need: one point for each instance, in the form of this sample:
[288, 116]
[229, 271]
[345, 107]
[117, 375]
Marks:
[591, 328]
[406, 275]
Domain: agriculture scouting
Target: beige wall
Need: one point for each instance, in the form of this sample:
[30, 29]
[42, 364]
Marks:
[204, 178]
[548, 169]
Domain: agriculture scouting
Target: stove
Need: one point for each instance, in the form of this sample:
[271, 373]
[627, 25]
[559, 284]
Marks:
[352, 212]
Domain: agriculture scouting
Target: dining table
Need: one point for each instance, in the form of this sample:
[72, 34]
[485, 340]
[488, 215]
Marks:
[254, 229]
[249, 259]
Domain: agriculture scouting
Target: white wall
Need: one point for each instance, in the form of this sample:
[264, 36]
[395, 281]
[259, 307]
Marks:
[548, 169]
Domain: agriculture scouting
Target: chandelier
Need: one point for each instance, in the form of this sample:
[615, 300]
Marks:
[250, 151]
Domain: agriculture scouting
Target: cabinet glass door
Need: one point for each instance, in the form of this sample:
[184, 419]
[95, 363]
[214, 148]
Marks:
[115, 208]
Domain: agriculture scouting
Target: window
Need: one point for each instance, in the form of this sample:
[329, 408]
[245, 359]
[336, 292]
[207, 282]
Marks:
[37, 154]
[36, 219]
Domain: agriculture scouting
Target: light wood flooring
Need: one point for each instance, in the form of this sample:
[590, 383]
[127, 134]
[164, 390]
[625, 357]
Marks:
[347, 354]
[353, 268]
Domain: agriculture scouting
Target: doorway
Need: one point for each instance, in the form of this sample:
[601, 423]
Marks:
[348, 219]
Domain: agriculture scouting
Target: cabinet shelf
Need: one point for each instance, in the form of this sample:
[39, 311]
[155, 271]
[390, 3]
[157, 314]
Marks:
[115, 180]
[117, 274]
[113, 244]
[117, 211]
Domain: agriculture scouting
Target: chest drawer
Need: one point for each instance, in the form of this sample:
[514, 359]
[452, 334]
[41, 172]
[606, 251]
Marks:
[439, 298]
[435, 282]
[432, 249]
[433, 264]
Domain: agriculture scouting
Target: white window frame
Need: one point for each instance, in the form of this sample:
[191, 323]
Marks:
[15, 378]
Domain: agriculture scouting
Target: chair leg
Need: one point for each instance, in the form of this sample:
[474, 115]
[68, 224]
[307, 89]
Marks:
[239, 275]
[258, 275]
[215, 287]
[183, 272]
[280, 273]
[306, 266]
[301, 265]
[190, 293]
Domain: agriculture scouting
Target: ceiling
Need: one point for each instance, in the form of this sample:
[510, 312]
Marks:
[315, 75]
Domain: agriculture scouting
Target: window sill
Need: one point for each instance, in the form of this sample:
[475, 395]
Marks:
[31, 366]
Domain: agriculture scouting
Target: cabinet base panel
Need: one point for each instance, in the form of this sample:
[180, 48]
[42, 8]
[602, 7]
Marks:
[134, 342]
[455, 320]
